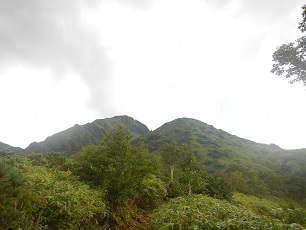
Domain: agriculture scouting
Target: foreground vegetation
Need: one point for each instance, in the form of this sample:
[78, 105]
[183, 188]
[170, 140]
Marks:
[38, 197]
[202, 212]
[114, 185]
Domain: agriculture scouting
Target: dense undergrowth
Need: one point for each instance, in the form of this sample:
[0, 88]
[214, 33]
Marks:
[203, 212]
[115, 185]
[37, 197]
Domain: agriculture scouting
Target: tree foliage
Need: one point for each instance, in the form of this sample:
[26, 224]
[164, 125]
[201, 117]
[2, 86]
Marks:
[170, 155]
[289, 59]
[115, 165]
[219, 187]
[188, 176]
[11, 196]
[125, 173]
[37, 197]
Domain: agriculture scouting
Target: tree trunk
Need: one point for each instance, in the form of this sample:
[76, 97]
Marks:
[171, 172]
[189, 186]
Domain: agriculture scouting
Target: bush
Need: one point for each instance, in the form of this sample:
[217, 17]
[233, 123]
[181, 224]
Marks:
[62, 201]
[174, 189]
[202, 212]
[220, 188]
[36, 197]
[151, 193]
[124, 172]
[12, 196]
[290, 216]
[37, 159]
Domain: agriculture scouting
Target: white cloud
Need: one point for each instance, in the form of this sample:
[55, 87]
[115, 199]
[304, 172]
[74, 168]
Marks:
[36, 107]
[153, 60]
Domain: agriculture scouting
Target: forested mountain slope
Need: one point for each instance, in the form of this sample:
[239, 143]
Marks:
[73, 139]
[184, 163]
[219, 150]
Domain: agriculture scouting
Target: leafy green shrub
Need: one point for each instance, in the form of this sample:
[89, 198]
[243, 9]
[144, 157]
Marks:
[16, 204]
[5, 153]
[290, 216]
[202, 212]
[220, 188]
[63, 202]
[11, 196]
[287, 211]
[50, 160]
[256, 204]
[36, 197]
[248, 184]
[174, 189]
[37, 159]
[115, 165]
[151, 194]
[188, 176]
[56, 160]
[124, 172]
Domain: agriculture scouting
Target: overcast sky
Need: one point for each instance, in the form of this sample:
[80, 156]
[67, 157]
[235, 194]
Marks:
[69, 62]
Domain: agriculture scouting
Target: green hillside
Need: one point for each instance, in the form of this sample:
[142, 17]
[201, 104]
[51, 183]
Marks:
[184, 175]
[215, 147]
[280, 172]
[73, 139]
[268, 167]
[6, 147]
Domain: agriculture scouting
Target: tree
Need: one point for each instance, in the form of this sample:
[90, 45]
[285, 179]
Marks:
[290, 59]
[219, 187]
[238, 181]
[115, 165]
[11, 195]
[189, 177]
[191, 171]
[56, 160]
[124, 173]
[170, 155]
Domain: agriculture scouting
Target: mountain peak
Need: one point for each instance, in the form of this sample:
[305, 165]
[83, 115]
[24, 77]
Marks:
[73, 139]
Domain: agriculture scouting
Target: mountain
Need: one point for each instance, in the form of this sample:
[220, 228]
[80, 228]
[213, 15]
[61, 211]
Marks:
[270, 168]
[73, 139]
[215, 148]
[6, 147]
[219, 150]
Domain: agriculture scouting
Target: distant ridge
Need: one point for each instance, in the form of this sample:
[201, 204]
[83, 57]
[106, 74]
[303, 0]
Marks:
[6, 147]
[73, 139]
[216, 148]
[195, 132]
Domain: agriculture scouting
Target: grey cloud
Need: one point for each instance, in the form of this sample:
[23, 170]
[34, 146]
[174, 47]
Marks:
[220, 4]
[263, 10]
[271, 11]
[50, 34]
[143, 4]
[272, 16]
[268, 18]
